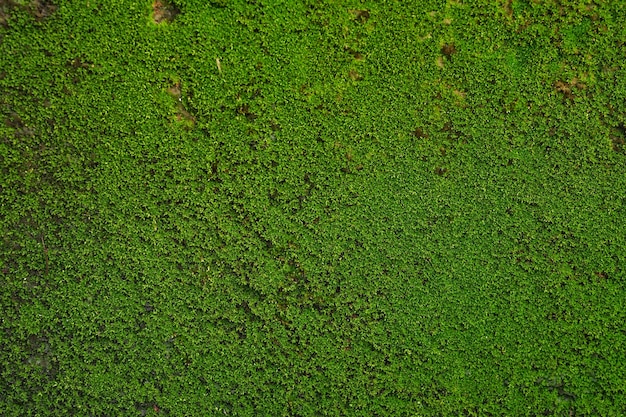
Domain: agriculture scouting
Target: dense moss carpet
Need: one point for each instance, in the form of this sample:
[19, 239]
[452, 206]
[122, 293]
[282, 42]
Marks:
[312, 208]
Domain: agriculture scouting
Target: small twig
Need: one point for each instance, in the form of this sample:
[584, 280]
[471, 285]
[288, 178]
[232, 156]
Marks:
[219, 65]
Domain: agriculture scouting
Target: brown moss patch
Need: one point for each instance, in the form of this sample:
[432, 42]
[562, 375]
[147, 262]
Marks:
[360, 15]
[448, 50]
[182, 114]
[39, 9]
[42, 9]
[568, 88]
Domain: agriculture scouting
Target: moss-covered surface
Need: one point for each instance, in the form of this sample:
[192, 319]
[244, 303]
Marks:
[308, 208]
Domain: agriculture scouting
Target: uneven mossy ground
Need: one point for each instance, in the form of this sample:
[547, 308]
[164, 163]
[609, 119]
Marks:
[312, 208]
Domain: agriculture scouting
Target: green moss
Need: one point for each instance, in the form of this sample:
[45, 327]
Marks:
[305, 208]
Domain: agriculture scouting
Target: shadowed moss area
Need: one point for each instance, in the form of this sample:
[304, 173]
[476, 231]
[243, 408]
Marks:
[307, 208]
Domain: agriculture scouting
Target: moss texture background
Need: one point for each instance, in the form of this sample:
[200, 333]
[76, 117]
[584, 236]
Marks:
[309, 208]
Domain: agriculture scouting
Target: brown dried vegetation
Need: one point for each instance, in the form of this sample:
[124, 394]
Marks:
[163, 11]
